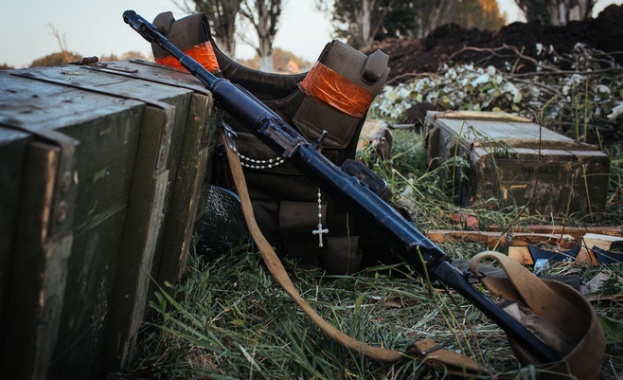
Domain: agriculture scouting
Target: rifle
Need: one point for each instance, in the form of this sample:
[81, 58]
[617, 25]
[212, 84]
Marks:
[353, 193]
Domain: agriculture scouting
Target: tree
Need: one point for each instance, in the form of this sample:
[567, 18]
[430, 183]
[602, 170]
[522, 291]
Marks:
[56, 59]
[359, 22]
[556, 12]
[481, 14]
[283, 62]
[433, 14]
[263, 16]
[62, 43]
[136, 55]
[399, 22]
[222, 16]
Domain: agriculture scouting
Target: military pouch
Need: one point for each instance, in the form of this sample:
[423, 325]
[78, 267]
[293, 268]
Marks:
[338, 92]
[344, 255]
[297, 221]
[190, 34]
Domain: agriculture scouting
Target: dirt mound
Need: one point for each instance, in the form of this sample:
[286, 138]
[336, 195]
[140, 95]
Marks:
[515, 44]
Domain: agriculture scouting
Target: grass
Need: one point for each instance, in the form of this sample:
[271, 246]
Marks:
[228, 319]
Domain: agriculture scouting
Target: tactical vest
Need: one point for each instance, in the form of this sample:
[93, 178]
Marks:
[327, 104]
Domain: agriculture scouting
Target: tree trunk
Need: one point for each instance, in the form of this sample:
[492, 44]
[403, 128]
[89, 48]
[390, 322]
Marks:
[222, 17]
[228, 41]
[433, 14]
[364, 20]
[265, 49]
[266, 64]
[265, 53]
[263, 16]
[556, 12]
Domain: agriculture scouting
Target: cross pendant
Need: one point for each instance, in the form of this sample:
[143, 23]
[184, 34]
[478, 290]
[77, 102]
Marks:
[319, 232]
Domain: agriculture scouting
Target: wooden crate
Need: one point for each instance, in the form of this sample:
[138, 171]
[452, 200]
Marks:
[101, 168]
[517, 162]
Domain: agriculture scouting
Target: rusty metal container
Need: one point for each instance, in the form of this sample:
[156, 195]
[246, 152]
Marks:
[512, 161]
[101, 168]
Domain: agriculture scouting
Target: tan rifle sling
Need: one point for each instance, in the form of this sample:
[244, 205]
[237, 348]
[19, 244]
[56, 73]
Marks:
[556, 313]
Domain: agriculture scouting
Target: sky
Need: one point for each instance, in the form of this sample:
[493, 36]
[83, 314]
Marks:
[96, 27]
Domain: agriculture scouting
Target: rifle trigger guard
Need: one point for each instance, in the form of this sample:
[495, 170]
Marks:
[230, 136]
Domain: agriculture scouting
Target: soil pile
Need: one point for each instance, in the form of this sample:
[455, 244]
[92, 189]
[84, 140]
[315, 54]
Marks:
[514, 44]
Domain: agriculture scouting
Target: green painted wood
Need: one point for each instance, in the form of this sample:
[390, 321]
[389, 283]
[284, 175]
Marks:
[39, 269]
[144, 222]
[151, 72]
[13, 146]
[107, 154]
[91, 276]
[140, 165]
[187, 189]
[108, 129]
[519, 135]
[520, 164]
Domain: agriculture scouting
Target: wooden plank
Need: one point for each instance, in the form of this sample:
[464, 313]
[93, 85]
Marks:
[186, 194]
[160, 160]
[576, 232]
[140, 238]
[602, 241]
[105, 166]
[483, 131]
[105, 162]
[521, 255]
[586, 257]
[90, 279]
[107, 128]
[12, 152]
[149, 71]
[493, 239]
[39, 272]
[114, 246]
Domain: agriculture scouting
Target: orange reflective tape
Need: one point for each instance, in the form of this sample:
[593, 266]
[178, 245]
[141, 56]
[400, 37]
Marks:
[333, 89]
[201, 53]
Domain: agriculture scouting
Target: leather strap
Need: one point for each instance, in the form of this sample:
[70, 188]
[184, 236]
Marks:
[427, 351]
[558, 314]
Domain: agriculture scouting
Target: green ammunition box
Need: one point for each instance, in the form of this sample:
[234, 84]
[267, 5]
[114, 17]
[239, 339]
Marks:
[511, 161]
[101, 171]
